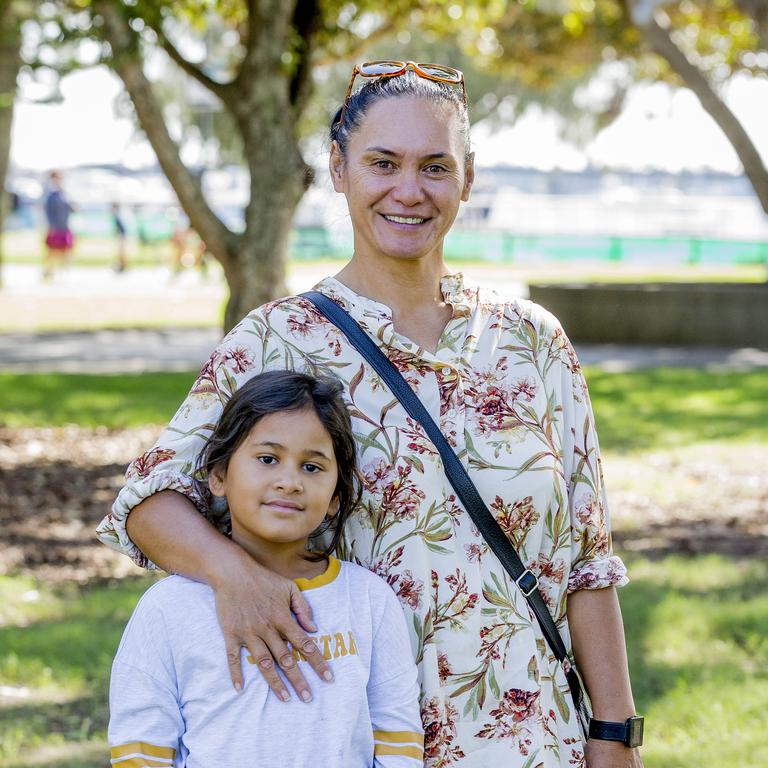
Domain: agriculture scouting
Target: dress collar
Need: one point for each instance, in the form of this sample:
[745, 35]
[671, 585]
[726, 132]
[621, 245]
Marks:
[375, 318]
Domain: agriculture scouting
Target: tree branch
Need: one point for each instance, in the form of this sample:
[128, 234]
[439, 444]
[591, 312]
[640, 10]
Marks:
[267, 36]
[222, 90]
[127, 62]
[660, 40]
[306, 19]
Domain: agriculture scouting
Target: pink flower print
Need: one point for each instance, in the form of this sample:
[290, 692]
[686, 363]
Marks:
[303, 326]
[144, 464]
[492, 402]
[578, 758]
[474, 552]
[392, 488]
[453, 510]
[549, 573]
[239, 359]
[524, 389]
[515, 708]
[418, 442]
[551, 570]
[443, 667]
[374, 472]
[517, 519]
[588, 510]
[409, 589]
[585, 578]
[439, 734]
[383, 566]
[405, 362]
[206, 379]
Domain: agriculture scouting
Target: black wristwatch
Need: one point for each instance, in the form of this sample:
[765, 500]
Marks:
[630, 732]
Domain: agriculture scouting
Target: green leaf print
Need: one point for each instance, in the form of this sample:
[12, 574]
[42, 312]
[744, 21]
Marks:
[561, 703]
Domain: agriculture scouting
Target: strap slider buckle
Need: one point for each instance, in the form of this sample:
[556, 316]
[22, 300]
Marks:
[527, 582]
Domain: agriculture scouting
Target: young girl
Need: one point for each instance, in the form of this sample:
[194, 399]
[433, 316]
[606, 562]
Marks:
[283, 457]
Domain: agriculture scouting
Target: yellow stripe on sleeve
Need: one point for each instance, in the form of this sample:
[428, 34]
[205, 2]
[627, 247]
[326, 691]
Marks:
[139, 754]
[399, 737]
[142, 748]
[417, 753]
[137, 761]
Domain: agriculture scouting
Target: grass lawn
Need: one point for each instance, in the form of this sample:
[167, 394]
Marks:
[636, 411]
[695, 625]
[695, 629]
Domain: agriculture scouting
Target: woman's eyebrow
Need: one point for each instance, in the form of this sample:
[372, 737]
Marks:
[391, 153]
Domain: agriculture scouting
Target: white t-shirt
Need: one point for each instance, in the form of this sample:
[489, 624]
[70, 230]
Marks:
[172, 702]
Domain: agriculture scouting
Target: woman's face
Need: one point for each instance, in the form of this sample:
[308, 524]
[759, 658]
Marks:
[404, 176]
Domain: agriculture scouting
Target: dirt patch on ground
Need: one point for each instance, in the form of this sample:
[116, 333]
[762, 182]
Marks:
[56, 484]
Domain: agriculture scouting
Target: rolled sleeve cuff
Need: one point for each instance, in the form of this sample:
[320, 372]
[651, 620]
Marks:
[598, 574]
[112, 529]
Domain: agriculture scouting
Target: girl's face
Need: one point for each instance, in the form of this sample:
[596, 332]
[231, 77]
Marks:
[280, 482]
[404, 176]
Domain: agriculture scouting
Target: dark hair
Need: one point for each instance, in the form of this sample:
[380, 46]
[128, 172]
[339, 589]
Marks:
[273, 392]
[407, 84]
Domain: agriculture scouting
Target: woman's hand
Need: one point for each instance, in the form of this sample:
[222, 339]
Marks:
[253, 604]
[260, 610]
[611, 754]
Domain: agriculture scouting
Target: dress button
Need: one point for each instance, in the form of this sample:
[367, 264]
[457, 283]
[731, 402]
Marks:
[446, 371]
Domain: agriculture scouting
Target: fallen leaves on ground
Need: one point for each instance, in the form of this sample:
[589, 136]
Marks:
[56, 484]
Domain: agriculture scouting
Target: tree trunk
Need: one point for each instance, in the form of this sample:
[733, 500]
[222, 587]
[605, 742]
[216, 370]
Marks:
[255, 262]
[278, 177]
[754, 167]
[128, 64]
[10, 63]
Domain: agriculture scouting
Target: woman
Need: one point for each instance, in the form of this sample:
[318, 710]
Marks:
[59, 239]
[502, 381]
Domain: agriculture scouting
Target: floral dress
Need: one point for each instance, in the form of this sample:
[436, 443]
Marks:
[506, 389]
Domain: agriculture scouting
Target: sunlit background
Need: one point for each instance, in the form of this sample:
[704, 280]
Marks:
[605, 191]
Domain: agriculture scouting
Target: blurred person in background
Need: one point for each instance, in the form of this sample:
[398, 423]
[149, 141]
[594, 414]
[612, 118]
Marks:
[118, 226]
[59, 239]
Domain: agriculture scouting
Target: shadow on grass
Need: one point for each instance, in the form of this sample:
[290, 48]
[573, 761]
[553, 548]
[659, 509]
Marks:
[113, 401]
[670, 407]
[731, 617]
[70, 722]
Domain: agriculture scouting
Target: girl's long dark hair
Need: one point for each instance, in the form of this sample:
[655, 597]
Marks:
[273, 392]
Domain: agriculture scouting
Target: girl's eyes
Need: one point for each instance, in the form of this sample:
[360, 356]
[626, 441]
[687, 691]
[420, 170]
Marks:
[308, 466]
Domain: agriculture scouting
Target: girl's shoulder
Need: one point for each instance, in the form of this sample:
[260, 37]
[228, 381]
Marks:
[176, 596]
[360, 579]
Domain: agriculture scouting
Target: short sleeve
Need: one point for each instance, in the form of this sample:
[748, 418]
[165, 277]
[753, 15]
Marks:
[593, 564]
[393, 691]
[145, 723]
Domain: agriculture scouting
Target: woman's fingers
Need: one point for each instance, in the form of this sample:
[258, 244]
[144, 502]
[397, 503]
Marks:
[305, 644]
[269, 629]
[262, 654]
[302, 610]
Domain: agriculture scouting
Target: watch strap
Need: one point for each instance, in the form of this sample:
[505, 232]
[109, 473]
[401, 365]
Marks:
[629, 732]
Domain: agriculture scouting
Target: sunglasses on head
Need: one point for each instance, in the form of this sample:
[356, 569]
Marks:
[437, 72]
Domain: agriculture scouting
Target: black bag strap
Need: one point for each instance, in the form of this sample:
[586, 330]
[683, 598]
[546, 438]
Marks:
[454, 469]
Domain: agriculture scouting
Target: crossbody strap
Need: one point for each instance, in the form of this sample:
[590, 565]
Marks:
[454, 469]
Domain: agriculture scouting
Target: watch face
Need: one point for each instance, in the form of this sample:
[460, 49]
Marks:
[635, 735]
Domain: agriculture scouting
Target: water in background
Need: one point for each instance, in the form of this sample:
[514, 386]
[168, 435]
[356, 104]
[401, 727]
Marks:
[515, 215]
